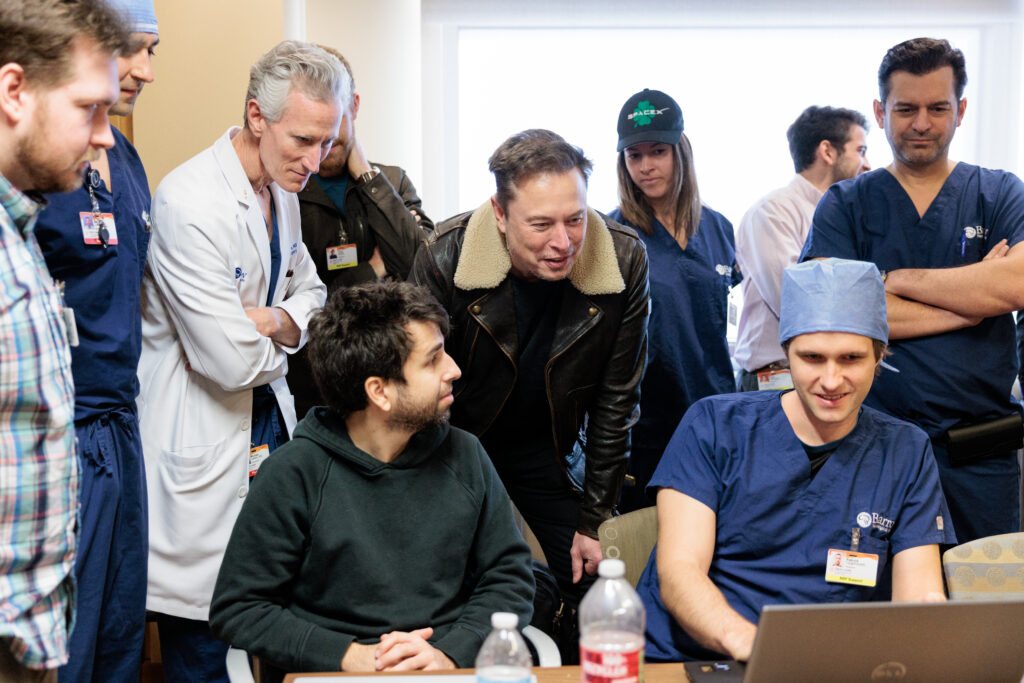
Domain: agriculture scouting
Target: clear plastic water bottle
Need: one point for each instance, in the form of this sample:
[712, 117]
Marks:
[612, 622]
[504, 657]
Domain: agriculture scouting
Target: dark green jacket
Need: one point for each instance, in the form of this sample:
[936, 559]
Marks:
[333, 546]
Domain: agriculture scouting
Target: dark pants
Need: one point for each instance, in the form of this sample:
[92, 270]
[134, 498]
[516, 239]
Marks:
[551, 508]
[983, 496]
[190, 651]
[113, 543]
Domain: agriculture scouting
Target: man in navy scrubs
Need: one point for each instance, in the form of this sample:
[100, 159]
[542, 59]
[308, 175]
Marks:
[94, 241]
[800, 496]
[947, 236]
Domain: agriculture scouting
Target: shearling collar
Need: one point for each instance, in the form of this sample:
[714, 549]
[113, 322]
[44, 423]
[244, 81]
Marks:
[485, 263]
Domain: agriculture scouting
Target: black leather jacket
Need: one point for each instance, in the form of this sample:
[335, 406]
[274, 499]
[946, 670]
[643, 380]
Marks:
[597, 355]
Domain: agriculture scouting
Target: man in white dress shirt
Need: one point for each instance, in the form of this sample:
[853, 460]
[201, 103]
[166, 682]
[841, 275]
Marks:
[827, 145]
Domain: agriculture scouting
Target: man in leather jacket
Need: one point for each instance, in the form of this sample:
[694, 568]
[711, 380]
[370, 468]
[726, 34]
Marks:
[549, 303]
[360, 221]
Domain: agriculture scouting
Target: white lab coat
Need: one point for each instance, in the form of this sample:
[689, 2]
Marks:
[209, 260]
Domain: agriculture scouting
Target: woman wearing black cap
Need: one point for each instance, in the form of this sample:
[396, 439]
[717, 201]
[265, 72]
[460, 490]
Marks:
[691, 254]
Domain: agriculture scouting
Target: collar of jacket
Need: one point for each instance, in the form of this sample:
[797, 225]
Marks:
[484, 262]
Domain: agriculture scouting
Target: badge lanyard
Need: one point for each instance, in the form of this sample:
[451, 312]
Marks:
[92, 184]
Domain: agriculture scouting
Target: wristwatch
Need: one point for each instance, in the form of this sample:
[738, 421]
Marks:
[369, 175]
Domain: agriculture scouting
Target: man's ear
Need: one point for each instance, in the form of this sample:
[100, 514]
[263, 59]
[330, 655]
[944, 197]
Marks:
[827, 152]
[499, 214]
[961, 109]
[355, 105]
[879, 114]
[377, 393]
[13, 92]
[254, 117]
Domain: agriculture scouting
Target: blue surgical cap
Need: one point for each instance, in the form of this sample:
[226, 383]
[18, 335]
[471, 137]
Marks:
[833, 295]
[139, 14]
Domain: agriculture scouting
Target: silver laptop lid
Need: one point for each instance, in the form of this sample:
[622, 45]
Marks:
[880, 641]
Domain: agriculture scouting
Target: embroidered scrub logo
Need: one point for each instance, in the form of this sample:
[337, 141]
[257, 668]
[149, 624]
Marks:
[972, 231]
[883, 524]
[864, 520]
[239, 275]
[723, 269]
[644, 114]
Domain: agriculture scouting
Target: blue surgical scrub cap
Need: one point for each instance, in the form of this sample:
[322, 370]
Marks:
[833, 295]
[139, 14]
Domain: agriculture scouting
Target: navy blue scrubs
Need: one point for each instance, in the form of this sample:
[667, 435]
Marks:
[739, 456]
[101, 285]
[956, 377]
[687, 355]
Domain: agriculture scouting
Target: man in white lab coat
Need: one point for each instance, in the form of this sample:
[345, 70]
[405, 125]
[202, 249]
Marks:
[227, 296]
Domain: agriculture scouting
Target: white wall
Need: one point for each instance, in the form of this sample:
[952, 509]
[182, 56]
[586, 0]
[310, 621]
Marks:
[381, 40]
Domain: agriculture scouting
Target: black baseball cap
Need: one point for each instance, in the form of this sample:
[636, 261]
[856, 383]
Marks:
[649, 116]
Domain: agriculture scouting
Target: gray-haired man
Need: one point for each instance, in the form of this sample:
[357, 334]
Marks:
[227, 296]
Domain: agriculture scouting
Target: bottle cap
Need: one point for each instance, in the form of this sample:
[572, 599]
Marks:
[505, 620]
[611, 569]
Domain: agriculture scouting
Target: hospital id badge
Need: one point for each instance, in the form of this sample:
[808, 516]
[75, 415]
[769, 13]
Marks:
[846, 566]
[256, 457]
[774, 379]
[91, 228]
[341, 256]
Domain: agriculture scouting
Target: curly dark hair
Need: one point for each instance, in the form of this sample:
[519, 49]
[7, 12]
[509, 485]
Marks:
[361, 332]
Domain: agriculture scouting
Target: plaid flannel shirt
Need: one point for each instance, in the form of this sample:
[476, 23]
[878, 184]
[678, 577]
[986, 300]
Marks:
[38, 465]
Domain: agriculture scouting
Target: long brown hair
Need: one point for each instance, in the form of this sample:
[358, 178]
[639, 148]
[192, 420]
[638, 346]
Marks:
[638, 211]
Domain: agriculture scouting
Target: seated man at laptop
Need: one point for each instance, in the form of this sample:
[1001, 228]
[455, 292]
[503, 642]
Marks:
[379, 538]
[794, 497]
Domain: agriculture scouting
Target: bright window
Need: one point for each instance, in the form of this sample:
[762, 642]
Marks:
[739, 90]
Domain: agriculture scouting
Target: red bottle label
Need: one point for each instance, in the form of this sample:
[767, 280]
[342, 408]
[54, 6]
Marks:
[602, 666]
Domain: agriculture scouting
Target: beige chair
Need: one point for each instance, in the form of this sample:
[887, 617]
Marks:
[990, 568]
[630, 538]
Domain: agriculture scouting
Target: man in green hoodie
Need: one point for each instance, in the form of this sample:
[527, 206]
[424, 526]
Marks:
[385, 538]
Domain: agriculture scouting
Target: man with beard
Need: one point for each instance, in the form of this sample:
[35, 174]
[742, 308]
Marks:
[94, 241]
[58, 77]
[947, 236]
[385, 536]
[827, 145]
[361, 221]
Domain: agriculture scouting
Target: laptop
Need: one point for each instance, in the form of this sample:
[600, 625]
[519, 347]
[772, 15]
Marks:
[964, 640]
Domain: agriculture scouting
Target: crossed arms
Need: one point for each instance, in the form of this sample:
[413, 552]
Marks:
[923, 301]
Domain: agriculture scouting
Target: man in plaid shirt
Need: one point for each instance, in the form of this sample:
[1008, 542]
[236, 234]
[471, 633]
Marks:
[58, 77]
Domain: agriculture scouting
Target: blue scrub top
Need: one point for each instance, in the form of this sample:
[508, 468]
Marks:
[102, 284]
[943, 379]
[738, 455]
[687, 354]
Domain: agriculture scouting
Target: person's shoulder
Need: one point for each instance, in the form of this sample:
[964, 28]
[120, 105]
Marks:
[877, 421]
[619, 229]
[1004, 182]
[124, 149]
[726, 406]
[300, 459]
[453, 228]
[461, 448]
[193, 176]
